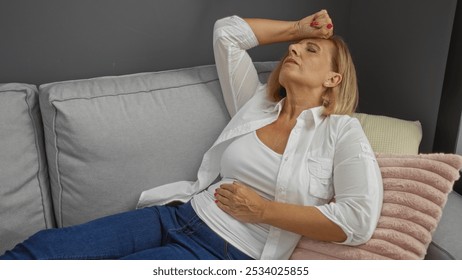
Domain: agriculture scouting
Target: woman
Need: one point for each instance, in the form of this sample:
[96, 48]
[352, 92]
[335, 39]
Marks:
[288, 151]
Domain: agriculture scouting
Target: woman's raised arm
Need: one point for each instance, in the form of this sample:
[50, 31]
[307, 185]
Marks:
[233, 36]
[267, 31]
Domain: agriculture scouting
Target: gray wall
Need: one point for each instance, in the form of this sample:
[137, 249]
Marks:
[400, 46]
[51, 40]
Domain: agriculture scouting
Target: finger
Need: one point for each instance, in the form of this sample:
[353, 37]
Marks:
[324, 21]
[320, 13]
[222, 199]
[320, 21]
[229, 187]
[223, 192]
[226, 184]
[316, 25]
[237, 185]
[224, 207]
[226, 190]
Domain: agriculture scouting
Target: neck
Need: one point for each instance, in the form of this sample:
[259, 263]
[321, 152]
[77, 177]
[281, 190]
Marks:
[294, 104]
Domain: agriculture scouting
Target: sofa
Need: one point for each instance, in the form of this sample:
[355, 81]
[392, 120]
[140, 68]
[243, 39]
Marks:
[73, 151]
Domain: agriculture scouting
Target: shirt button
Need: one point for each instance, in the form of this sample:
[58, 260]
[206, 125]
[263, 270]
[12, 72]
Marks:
[286, 158]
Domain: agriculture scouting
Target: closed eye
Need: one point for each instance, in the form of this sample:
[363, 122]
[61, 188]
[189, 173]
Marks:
[312, 47]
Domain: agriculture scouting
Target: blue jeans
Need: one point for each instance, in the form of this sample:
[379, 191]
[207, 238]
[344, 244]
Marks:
[160, 232]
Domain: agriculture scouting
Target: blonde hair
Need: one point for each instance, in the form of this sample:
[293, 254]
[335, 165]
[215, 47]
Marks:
[340, 100]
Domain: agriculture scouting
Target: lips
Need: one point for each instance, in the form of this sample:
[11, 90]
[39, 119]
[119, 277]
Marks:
[290, 60]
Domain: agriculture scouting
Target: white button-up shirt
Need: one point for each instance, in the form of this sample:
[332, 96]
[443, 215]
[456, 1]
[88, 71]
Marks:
[325, 157]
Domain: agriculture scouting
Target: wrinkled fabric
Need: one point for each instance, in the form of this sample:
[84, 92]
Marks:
[325, 157]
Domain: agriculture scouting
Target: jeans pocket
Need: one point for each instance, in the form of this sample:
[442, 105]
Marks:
[190, 227]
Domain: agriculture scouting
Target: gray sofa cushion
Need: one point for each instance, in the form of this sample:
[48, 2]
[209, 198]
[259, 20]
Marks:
[24, 188]
[446, 239]
[110, 138]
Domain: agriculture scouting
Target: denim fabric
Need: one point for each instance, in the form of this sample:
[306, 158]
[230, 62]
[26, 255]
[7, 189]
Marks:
[160, 232]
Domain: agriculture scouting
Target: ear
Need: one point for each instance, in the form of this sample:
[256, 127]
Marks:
[333, 80]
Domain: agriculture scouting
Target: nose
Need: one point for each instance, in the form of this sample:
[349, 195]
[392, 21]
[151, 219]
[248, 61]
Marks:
[293, 49]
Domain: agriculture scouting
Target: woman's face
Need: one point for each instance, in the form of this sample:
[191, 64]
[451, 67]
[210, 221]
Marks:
[307, 65]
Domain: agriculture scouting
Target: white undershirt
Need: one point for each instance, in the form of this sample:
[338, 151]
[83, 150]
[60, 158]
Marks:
[251, 162]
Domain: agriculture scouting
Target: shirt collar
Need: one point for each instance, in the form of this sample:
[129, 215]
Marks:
[315, 113]
[275, 107]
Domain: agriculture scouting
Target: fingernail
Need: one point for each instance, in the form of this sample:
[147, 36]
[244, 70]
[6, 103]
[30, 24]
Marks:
[329, 26]
[215, 194]
[314, 23]
[216, 201]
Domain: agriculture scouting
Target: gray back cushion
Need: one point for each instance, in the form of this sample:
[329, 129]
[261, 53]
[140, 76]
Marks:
[25, 205]
[110, 138]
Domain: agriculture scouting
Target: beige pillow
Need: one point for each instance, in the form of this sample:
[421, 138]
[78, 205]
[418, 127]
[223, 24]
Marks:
[391, 135]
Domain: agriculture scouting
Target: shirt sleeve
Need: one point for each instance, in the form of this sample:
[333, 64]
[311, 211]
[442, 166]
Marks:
[239, 81]
[358, 186]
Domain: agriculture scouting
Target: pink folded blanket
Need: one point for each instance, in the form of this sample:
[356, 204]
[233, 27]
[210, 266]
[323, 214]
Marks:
[416, 188]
